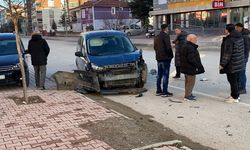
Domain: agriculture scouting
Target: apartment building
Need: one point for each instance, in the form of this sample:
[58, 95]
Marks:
[45, 12]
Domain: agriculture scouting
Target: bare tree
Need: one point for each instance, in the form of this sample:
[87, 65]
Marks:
[115, 22]
[15, 9]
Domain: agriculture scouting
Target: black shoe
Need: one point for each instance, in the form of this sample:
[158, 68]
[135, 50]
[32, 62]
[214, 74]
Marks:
[190, 98]
[158, 94]
[42, 88]
[176, 77]
[167, 94]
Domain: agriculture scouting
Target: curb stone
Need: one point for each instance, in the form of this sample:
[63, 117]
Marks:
[168, 143]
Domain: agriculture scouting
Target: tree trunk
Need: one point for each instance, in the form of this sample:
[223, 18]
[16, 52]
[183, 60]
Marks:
[15, 21]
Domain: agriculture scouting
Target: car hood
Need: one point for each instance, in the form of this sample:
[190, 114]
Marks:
[8, 59]
[115, 59]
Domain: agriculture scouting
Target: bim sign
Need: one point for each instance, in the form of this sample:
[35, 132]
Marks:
[218, 4]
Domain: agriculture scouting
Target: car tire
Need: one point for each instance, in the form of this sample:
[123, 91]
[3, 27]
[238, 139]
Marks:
[129, 34]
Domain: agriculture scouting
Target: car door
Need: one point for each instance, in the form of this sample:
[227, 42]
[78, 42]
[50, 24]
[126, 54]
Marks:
[137, 29]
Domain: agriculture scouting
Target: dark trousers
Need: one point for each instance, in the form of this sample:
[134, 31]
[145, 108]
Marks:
[178, 71]
[40, 75]
[233, 79]
[163, 74]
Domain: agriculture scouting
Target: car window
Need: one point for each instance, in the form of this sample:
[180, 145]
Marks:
[108, 45]
[137, 27]
[8, 47]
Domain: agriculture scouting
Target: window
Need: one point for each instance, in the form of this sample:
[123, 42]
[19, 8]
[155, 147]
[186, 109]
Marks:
[83, 14]
[8, 47]
[108, 45]
[113, 10]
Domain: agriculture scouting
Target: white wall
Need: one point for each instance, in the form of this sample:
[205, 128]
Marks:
[100, 23]
[47, 21]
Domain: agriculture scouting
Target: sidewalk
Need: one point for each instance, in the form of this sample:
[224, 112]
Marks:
[50, 125]
[53, 125]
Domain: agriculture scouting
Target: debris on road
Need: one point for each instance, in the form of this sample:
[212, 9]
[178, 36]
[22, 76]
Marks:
[153, 72]
[139, 95]
[194, 107]
[180, 117]
[204, 79]
[229, 134]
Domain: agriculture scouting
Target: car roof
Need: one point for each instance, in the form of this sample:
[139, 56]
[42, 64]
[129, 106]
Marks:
[91, 34]
[7, 36]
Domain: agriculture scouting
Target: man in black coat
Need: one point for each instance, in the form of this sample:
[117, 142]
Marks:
[190, 65]
[243, 78]
[232, 60]
[181, 38]
[164, 55]
[39, 50]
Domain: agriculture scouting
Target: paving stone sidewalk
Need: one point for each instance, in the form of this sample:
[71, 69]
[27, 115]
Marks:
[50, 125]
[53, 125]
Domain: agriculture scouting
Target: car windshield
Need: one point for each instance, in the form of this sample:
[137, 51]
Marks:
[8, 47]
[108, 45]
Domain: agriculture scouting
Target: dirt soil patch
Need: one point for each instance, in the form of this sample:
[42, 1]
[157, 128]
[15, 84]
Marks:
[31, 100]
[133, 132]
[122, 133]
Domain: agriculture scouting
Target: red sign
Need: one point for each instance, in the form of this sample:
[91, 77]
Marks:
[218, 4]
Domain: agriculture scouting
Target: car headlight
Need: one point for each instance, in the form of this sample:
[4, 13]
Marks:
[97, 68]
[16, 67]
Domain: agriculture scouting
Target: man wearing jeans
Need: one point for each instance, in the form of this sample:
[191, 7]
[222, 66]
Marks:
[39, 50]
[164, 55]
[232, 60]
[243, 78]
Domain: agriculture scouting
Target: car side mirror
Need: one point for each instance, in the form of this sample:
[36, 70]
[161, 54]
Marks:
[79, 54]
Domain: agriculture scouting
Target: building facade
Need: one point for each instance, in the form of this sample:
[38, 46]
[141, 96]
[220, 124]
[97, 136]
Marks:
[200, 13]
[102, 14]
[45, 12]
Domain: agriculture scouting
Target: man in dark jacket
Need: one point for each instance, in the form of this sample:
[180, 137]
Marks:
[39, 50]
[164, 55]
[190, 65]
[232, 60]
[243, 78]
[181, 38]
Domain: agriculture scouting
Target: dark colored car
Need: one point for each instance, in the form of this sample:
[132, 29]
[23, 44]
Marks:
[111, 56]
[10, 71]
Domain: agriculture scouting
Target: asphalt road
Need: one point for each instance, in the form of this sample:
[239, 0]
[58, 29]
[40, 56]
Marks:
[208, 121]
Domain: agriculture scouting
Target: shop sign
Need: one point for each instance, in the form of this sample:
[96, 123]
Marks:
[218, 4]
